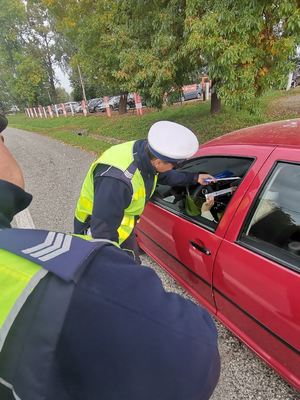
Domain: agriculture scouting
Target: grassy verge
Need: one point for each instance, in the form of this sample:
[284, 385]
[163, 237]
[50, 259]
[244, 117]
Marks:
[102, 131]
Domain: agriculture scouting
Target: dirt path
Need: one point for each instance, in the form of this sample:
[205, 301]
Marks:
[289, 105]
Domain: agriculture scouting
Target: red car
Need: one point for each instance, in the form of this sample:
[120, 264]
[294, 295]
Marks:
[241, 259]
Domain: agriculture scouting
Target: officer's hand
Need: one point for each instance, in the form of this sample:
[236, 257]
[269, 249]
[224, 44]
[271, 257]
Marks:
[206, 179]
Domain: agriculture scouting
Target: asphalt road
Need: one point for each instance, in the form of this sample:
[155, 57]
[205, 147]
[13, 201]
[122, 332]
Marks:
[54, 173]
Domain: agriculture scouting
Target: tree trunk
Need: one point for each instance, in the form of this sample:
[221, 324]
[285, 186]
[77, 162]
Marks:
[123, 104]
[215, 104]
[50, 70]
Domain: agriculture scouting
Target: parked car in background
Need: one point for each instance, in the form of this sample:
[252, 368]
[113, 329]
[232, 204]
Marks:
[69, 106]
[114, 102]
[190, 92]
[130, 100]
[59, 109]
[295, 81]
[100, 107]
[78, 107]
[13, 110]
[93, 103]
[242, 259]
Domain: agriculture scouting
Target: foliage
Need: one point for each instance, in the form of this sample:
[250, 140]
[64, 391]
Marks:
[127, 45]
[247, 46]
[152, 61]
[154, 47]
[28, 51]
[92, 89]
[62, 95]
[146, 46]
[12, 17]
[41, 42]
[29, 83]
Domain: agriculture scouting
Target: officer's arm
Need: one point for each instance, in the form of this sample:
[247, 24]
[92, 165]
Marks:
[111, 198]
[183, 178]
[177, 178]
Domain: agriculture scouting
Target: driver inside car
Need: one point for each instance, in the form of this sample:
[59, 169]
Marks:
[196, 205]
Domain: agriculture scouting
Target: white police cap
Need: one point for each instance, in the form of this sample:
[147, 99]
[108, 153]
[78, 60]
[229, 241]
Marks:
[172, 142]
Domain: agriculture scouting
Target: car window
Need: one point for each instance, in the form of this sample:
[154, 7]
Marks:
[273, 226]
[189, 201]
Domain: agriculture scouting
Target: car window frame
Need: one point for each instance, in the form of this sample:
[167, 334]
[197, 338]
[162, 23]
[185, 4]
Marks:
[202, 222]
[258, 246]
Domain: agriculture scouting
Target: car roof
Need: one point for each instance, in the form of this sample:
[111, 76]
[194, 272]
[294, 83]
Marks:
[281, 133]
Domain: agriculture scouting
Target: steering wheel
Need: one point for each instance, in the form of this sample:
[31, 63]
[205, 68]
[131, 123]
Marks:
[200, 193]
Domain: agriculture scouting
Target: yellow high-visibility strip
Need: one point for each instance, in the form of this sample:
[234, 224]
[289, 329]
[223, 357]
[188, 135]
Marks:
[123, 234]
[18, 277]
[85, 203]
[128, 221]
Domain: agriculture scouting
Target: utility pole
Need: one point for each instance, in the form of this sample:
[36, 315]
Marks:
[49, 96]
[82, 85]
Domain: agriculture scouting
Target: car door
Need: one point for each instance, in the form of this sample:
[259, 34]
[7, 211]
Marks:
[256, 280]
[187, 245]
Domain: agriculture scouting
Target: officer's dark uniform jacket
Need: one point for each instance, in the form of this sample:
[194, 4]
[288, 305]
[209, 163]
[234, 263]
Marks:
[113, 193]
[97, 326]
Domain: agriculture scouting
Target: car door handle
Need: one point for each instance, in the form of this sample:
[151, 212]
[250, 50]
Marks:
[200, 248]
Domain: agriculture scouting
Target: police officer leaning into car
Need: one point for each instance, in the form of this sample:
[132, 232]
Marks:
[121, 181]
[81, 320]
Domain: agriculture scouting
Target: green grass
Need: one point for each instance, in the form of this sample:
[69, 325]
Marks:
[101, 130]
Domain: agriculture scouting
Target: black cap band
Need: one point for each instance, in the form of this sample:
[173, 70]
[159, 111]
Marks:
[164, 158]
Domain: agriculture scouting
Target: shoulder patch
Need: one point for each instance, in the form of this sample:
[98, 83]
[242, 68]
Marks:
[113, 172]
[62, 254]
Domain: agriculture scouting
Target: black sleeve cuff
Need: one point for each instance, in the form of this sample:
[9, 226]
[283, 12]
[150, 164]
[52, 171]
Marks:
[13, 199]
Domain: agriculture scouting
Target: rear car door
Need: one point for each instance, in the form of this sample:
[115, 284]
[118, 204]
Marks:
[256, 279]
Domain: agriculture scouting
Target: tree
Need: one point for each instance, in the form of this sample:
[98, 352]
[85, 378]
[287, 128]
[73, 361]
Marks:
[246, 45]
[42, 42]
[126, 45]
[62, 95]
[12, 17]
[153, 47]
[88, 28]
[152, 60]
[27, 45]
[29, 85]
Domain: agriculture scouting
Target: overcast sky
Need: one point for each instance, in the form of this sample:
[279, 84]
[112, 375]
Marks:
[63, 79]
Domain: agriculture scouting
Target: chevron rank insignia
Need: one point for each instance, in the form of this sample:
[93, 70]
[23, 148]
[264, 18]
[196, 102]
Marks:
[62, 254]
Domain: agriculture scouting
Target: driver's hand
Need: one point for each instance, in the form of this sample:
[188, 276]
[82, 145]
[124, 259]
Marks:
[207, 205]
[206, 179]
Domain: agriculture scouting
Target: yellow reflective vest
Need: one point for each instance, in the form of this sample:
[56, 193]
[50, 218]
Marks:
[121, 157]
[18, 278]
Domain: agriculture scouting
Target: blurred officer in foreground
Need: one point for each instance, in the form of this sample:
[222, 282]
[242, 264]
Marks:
[80, 320]
[121, 181]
